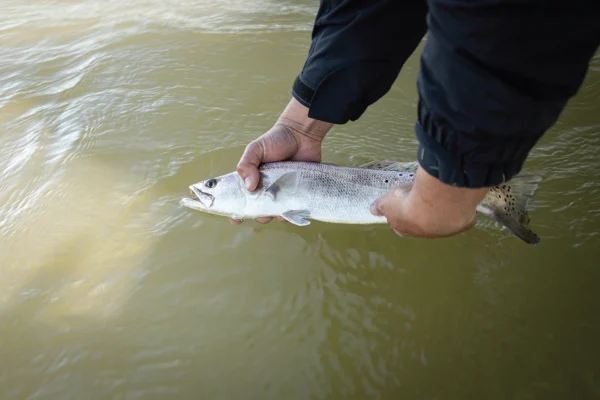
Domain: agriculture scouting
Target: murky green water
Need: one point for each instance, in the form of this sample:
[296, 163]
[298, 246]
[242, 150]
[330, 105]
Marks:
[110, 290]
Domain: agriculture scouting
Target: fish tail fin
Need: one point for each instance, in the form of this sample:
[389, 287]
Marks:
[507, 204]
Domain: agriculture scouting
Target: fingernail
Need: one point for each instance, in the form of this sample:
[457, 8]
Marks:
[397, 233]
[248, 182]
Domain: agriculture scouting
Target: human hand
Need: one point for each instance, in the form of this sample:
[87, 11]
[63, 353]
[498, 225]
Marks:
[294, 136]
[429, 208]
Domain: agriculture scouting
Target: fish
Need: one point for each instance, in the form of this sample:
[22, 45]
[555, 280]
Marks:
[301, 191]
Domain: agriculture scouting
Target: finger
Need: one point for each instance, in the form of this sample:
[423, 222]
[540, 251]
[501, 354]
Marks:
[234, 221]
[281, 219]
[264, 220]
[247, 167]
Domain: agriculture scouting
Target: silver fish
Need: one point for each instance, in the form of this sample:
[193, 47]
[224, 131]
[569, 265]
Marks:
[299, 191]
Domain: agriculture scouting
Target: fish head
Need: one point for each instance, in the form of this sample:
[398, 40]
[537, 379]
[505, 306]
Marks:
[222, 195]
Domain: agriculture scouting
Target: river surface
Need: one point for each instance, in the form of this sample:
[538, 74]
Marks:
[109, 289]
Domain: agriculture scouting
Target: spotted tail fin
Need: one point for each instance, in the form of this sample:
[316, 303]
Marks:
[507, 204]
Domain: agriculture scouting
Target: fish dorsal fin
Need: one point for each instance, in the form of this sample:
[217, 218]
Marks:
[297, 217]
[388, 165]
[288, 182]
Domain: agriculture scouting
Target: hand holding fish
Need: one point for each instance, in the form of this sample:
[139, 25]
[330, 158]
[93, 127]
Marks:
[429, 208]
[294, 137]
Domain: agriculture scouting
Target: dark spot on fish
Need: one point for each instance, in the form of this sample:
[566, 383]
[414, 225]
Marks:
[400, 174]
[499, 196]
[503, 186]
[386, 181]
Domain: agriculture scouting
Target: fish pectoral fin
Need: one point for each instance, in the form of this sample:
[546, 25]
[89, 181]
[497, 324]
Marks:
[287, 181]
[297, 217]
[388, 165]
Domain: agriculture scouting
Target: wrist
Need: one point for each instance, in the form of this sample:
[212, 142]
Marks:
[295, 117]
[440, 207]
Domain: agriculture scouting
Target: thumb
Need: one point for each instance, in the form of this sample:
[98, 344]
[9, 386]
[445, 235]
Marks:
[378, 206]
[381, 206]
[248, 165]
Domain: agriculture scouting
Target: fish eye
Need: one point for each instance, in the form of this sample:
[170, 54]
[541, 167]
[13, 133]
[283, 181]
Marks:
[211, 183]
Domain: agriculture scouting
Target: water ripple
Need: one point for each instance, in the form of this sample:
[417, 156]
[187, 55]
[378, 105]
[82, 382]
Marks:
[109, 109]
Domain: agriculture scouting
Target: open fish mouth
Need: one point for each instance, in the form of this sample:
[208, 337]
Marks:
[206, 199]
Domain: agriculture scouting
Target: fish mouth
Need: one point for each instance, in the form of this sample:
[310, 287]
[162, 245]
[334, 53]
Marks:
[206, 199]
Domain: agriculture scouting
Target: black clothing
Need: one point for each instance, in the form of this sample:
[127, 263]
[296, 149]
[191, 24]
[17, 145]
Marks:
[495, 74]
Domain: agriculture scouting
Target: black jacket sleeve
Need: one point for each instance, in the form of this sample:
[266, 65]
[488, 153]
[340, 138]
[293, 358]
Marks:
[494, 77]
[358, 48]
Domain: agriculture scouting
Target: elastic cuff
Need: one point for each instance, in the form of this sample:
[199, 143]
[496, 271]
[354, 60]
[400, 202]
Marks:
[302, 92]
[471, 161]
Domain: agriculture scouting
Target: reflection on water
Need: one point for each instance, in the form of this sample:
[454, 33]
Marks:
[110, 289]
[77, 243]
